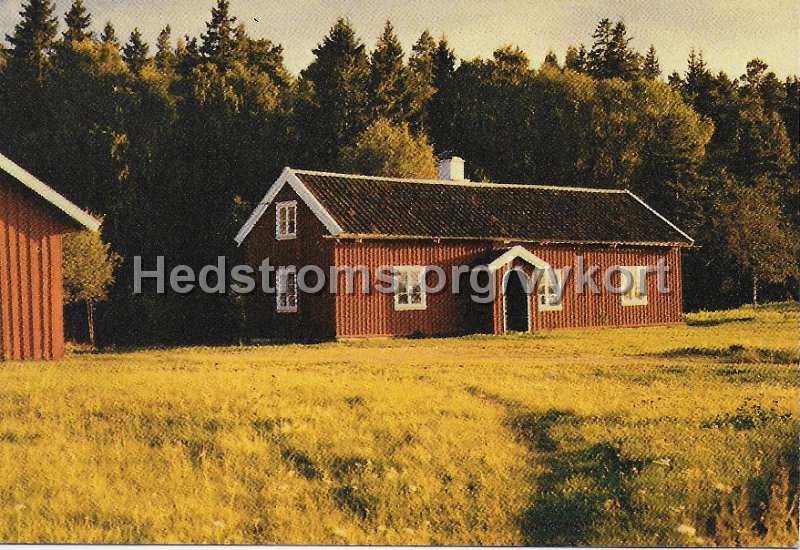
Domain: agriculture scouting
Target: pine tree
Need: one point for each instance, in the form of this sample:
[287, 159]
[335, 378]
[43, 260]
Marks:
[611, 55]
[220, 39]
[441, 107]
[420, 81]
[597, 56]
[651, 69]
[334, 105]
[699, 86]
[624, 62]
[263, 56]
[422, 54]
[32, 40]
[135, 51]
[165, 56]
[109, 35]
[791, 110]
[388, 78]
[696, 70]
[78, 20]
[576, 59]
[551, 60]
[187, 53]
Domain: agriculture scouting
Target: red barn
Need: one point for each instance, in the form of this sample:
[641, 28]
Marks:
[33, 217]
[492, 232]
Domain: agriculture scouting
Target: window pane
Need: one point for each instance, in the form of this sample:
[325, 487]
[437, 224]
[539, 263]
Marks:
[291, 222]
[409, 293]
[286, 222]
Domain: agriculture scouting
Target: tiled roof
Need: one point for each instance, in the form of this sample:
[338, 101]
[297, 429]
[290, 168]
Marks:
[386, 207]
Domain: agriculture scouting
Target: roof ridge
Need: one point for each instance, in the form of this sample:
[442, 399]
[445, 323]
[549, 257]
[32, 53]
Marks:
[422, 181]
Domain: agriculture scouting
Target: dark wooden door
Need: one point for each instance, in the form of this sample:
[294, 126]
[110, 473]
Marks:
[516, 301]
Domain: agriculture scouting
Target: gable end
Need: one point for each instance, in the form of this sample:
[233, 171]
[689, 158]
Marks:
[288, 177]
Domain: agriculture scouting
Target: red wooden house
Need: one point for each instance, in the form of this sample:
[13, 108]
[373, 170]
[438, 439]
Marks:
[33, 217]
[323, 219]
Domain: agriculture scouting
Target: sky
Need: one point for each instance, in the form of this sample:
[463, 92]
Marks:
[729, 32]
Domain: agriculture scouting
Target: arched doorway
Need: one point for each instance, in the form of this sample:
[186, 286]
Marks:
[517, 304]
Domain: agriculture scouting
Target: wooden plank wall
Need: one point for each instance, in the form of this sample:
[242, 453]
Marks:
[374, 315]
[31, 291]
[314, 319]
[606, 309]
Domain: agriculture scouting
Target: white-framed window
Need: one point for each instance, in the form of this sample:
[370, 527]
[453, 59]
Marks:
[547, 295]
[286, 290]
[636, 294]
[286, 220]
[409, 293]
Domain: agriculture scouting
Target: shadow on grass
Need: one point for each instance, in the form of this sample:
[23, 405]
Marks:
[580, 487]
[719, 321]
[734, 354]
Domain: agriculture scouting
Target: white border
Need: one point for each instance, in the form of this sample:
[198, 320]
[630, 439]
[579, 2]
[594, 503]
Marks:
[422, 273]
[518, 252]
[559, 275]
[283, 272]
[278, 207]
[635, 271]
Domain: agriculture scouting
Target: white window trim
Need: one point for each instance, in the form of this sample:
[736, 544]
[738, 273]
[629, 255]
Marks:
[636, 273]
[545, 279]
[420, 270]
[289, 206]
[281, 282]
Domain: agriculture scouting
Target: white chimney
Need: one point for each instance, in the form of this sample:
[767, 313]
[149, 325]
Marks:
[451, 169]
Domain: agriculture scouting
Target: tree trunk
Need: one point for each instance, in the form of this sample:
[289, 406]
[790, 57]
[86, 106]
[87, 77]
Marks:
[755, 291]
[90, 320]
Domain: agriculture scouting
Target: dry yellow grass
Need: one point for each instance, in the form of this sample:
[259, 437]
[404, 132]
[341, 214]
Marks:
[627, 436]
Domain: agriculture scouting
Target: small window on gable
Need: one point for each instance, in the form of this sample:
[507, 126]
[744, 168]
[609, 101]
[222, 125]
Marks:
[636, 280]
[286, 220]
[409, 292]
[548, 288]
[286, 291]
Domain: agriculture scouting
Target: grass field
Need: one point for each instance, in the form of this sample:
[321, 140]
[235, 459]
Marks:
[656, 436]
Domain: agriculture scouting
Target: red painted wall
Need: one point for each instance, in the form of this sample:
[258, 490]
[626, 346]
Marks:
[314, 319]
[374, 315]
[31, 291]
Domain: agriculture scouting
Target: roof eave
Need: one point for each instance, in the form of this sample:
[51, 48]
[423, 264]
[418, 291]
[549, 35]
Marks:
[31, 182]
[506, 240]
